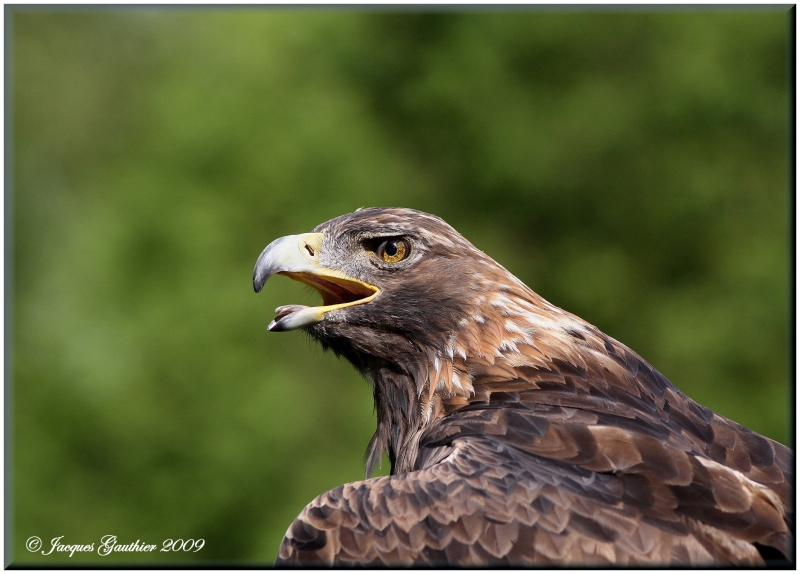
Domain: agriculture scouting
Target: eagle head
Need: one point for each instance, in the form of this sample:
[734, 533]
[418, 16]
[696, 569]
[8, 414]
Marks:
[394, 283]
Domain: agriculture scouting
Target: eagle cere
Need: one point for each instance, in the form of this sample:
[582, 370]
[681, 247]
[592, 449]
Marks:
[518, 433]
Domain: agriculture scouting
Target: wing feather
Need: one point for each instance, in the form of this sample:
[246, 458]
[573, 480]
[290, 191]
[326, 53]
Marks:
[486, 504]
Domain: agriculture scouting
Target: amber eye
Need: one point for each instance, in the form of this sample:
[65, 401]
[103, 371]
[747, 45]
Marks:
[393, 250]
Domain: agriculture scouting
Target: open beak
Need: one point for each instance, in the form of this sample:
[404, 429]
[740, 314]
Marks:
[297, 257]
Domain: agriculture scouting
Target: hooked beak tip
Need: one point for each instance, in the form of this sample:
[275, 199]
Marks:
[281, 255]
[258, 283]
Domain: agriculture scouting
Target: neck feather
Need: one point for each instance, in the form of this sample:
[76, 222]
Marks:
[414, 387]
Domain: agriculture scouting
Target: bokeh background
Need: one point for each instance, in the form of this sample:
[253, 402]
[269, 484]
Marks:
[631, 166]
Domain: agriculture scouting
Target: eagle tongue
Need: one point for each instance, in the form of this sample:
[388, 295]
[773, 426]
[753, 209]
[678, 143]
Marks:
[288, 309]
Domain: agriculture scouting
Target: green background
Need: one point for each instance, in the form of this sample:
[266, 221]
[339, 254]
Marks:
[630, 166]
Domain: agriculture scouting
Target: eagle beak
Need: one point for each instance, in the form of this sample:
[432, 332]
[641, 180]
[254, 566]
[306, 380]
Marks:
[296, 256]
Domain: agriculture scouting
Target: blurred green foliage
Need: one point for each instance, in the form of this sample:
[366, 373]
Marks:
[631, 166]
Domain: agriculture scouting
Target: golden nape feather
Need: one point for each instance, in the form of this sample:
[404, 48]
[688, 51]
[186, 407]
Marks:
[518, 433]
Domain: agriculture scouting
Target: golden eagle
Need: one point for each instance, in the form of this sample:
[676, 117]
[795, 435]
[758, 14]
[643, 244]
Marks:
[518, 433]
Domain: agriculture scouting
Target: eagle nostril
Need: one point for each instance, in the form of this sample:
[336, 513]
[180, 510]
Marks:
[310, 250]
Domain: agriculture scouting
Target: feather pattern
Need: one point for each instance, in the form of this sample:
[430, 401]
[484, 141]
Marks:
[520, 434]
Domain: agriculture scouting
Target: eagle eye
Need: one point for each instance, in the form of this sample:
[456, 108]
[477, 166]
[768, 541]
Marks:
[393, 250]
